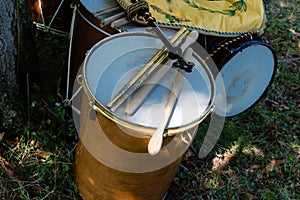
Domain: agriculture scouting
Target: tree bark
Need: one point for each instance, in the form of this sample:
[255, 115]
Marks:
[16, 57]
[8, 44]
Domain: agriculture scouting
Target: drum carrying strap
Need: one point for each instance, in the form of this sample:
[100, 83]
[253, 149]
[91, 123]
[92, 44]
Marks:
[211, 17]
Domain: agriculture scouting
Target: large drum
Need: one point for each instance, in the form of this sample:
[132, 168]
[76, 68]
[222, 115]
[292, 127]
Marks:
[112, 161]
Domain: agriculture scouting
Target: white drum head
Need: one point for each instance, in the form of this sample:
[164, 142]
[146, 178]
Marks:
[114, 60]
[246, 76]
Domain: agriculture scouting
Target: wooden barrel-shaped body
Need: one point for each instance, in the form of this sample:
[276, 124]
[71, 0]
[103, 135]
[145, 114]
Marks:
[107, 170]
[85, 33]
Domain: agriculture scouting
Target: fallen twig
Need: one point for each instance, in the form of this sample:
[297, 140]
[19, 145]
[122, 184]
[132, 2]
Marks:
[288, 59]
[11, 173]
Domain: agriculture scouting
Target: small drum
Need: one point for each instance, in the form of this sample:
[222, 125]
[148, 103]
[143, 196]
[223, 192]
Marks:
[49, 15]
[112, 161]
[247, 65]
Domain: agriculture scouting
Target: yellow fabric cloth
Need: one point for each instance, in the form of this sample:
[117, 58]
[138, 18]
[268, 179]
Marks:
[210, 16]
[213, 17]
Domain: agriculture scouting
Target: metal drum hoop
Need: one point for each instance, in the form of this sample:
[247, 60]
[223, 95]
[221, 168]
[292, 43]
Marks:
[98, 107]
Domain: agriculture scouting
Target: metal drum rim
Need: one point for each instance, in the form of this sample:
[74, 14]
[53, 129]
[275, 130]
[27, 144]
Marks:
[98, 107]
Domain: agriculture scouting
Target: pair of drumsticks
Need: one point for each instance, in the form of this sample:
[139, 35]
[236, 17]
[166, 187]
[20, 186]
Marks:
[116, 19]
[152, 72]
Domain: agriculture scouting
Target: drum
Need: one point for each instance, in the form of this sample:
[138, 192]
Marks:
[85, 32]
[112, 161]
[247, 65]
[50, 15]
[88, 28]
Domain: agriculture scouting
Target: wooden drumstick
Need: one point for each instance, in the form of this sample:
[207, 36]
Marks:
[140, 81]
[119, 22]
[142, 71]
[108, 20]
[155, 78]
[106, 10]
[156, 139]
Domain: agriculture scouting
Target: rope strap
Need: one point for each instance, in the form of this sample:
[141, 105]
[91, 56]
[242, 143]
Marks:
[222, 46]
[133, 8]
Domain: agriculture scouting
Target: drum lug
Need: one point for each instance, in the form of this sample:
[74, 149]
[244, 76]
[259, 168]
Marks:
[79, 79]
[91, 111]
[184, 139]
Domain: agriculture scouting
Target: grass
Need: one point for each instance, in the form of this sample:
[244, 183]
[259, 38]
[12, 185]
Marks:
[256, 157]
[37, 159]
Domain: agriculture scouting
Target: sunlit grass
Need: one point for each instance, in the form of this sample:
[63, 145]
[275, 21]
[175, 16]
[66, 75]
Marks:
[265, 163]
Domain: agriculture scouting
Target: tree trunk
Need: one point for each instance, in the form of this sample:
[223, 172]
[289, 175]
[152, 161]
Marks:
[16, 57]
[8, 49]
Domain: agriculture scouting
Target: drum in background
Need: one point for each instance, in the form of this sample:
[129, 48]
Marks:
[89, 28]
[51, 15]
[111, 159]
[247, 65]
[86, 31]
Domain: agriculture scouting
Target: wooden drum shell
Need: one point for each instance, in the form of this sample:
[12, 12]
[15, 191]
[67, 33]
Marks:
[86, 32]
[96, 180]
